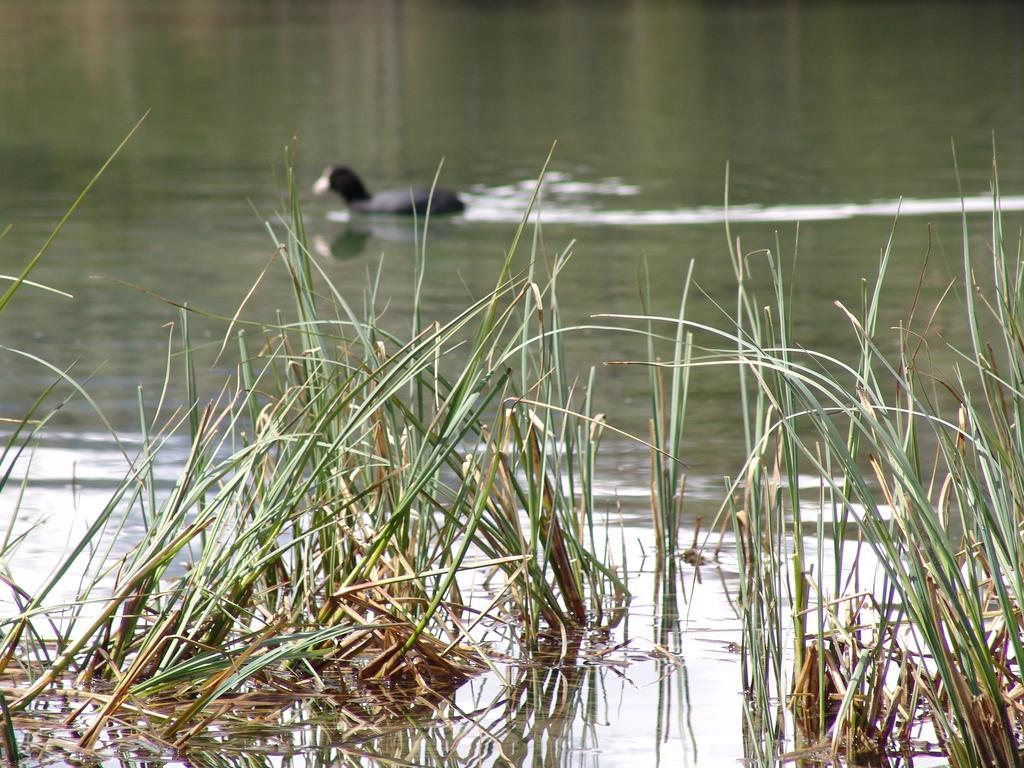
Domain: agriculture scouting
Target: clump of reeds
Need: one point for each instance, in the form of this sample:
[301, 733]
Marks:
[894, 454]
[669, 392]
[335, 493]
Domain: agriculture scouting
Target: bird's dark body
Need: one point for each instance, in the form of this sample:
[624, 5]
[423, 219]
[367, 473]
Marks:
[389, 201]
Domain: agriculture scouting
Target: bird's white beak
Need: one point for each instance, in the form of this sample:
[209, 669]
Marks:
[321, 185]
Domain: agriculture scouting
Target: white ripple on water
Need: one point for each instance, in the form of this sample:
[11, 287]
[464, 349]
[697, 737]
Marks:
[481, 208]
[70, 479]
[568, 201]
[94, 459]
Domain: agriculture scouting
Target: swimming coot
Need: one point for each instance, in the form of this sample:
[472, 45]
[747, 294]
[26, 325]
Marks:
[394, 201]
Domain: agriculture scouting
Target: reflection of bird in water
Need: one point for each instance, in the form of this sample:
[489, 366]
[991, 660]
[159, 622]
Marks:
[347, 245]
[390, 201]
[352, 240]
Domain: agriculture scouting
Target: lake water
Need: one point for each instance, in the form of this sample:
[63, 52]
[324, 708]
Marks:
[824, 113]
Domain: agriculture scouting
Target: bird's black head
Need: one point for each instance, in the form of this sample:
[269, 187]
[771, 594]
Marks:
[343, 181]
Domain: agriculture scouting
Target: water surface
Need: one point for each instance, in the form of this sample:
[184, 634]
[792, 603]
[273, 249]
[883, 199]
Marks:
[827, 114]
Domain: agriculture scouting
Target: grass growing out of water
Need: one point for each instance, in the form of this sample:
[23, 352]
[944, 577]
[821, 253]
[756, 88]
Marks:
[892, 455]
[333, 496]
[339, 490]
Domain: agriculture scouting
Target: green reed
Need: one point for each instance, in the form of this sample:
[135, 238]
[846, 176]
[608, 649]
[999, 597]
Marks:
[919, 463]
[339, 489]
[666, 426]
[333, 494]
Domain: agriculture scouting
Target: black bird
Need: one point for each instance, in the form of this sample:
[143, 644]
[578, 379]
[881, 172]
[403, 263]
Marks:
[392, 201]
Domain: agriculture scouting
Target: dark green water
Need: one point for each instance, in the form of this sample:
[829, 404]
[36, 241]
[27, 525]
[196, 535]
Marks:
[809, 104]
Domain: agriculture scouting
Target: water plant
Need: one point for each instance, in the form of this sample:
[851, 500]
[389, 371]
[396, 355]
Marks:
[335, 494]
[910, 452]
[372, 513]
